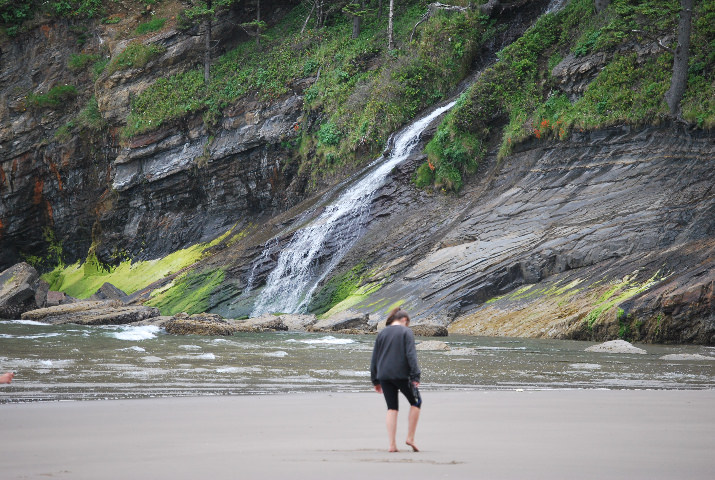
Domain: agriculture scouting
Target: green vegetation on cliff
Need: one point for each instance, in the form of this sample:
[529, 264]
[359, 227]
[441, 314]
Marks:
[519, 97]
[356, 91]
[188, 293]
[14, 13]
[81, 280]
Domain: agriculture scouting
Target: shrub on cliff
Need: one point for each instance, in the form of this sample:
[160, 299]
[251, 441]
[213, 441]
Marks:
[56, 97]
[519, 98]
[136, 55]
[14, 13]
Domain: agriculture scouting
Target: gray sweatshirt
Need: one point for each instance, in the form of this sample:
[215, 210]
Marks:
[394, 356]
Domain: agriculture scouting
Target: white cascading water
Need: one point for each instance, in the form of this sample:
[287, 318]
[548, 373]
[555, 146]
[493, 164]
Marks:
[301, 267]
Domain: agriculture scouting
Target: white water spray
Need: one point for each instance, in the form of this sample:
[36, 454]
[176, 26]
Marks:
[302, 265]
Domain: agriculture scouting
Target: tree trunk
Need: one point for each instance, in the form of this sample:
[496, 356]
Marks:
[679, 80]
[258, 19]
[307, 18]
[390, 39]
[207, 44]
[356, 26]
[379, 9]
[207, 51]
[601, 5]
[357, 20]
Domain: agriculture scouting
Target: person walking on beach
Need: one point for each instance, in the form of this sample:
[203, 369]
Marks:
[394, 367]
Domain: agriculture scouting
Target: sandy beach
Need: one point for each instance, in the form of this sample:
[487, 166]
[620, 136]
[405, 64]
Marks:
[573, 434]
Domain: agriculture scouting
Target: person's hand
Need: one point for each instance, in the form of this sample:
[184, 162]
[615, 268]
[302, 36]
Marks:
[378, 388]
[6, 377]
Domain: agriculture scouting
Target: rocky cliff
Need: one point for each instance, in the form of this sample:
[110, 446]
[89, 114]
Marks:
[68, 183]
[605, 234]
[609, 233]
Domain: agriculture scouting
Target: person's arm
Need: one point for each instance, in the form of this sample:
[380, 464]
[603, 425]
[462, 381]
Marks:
[411, 353]
[373, 365]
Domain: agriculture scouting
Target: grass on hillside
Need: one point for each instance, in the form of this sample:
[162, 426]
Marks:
[361, 92]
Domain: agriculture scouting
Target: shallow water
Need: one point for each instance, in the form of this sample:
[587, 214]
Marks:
[73, 362]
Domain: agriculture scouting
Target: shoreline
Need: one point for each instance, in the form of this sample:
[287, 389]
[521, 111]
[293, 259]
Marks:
[467, 389]
[490, 434]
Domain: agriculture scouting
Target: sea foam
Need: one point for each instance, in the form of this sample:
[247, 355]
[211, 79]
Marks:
[329, 340]
[144, 332]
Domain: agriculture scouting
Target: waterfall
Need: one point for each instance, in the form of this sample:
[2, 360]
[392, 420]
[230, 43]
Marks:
[303, 263]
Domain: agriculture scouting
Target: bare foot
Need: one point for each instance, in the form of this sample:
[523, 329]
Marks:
[6, 377]
[412, 444]
[393, 449]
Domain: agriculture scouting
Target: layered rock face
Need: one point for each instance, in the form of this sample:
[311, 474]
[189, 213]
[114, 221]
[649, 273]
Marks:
[585, 225]
[181, 185]
[45, 182]
[63, 185]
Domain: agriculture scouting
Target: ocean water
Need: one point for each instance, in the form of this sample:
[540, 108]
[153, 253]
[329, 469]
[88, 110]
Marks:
[72, 362]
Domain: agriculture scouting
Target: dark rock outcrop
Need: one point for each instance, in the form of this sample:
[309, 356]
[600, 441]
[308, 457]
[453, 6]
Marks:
[109, 292]
[428, 330]
[18, 286]
[347, 320]
[680, 309]
[264, 323]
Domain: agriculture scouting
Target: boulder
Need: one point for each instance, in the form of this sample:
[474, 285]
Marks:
[264, 323]
[429, 330]
[17, 290]
[53, 299]
[432, 345]
[616, 346]
[298, 322]
[42, 289]
[346, 320]
[199, 324]
[92, 313]
[109, 292]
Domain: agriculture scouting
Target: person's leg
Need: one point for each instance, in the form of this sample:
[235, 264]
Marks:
[391, 422]
[412, 394]
[389, 390]
[413, 418]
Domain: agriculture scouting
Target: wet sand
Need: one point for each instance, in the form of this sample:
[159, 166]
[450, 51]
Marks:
[577, 434]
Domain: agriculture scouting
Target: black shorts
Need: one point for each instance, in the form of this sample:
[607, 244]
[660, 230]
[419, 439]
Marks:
[408, 389]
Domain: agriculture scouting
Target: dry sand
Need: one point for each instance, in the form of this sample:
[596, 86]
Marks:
[577, 434]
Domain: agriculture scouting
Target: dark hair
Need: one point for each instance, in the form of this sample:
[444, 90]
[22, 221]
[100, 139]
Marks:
[396, 314]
